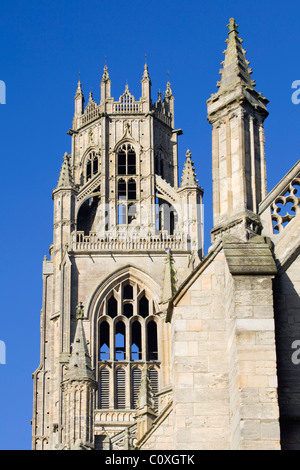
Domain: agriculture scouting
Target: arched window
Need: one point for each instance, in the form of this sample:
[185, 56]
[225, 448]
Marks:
[136, 341]
[92, 166]
[126, 160]
[152, 341]
[120, 341]
[104, 341]
[127, 342]
[159, 164]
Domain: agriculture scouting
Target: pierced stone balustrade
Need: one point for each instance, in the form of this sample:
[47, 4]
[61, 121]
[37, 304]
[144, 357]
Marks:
[282, 204]
[128, 242]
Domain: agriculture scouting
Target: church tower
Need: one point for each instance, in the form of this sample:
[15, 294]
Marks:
[126, 234]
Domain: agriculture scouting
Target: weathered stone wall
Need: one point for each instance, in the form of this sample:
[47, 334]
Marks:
[287, 319]
[200, 363]
[223, 357]
[162, 435]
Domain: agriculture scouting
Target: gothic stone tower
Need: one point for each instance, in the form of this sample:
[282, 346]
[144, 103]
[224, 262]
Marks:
[125, 235]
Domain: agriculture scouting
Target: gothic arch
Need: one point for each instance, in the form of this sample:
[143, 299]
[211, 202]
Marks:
[91, 148]
[121, 275]
[95, 152]
[127, 140]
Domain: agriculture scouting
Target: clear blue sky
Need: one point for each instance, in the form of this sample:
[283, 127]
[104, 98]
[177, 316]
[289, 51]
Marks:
[43, 45]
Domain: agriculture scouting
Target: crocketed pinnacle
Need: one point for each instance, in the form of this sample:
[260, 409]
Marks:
[79, 367]
[188, 174]
[65, 177]
[169, 282]
[235, 66]
[145, 396]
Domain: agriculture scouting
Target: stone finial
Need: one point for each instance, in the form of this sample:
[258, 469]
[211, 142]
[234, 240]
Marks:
[168, 92]
[65, 177]
[78, 93]
[105, 76]
[146, 72]
[188, 174]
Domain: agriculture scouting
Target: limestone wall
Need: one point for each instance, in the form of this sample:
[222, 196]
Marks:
[287, 316]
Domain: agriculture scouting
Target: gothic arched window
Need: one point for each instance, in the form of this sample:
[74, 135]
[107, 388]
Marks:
[126, 160]
[159, 164]
[92, 166]
[127, 341]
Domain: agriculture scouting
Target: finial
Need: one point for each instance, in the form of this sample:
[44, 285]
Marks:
[168, 92]
[79, 311]
[232, 26]
[146, 73]
[189, 177]
[105, 75]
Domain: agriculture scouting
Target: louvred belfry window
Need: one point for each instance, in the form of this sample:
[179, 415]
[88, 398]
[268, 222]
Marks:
[136, 375]
[128, 339]
[104, 388]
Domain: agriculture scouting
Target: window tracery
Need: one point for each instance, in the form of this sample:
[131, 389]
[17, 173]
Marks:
[127, 340]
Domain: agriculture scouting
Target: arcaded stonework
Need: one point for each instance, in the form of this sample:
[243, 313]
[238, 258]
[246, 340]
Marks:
[146, 343]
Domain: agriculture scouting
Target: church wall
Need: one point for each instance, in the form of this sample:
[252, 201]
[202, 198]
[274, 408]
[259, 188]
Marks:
[200, 363]
[287, 318]
[224, 356]
[256, 362]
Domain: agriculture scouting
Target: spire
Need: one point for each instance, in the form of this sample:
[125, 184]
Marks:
[79, 367]
[235, 66]
[188, 174]
[65, 177]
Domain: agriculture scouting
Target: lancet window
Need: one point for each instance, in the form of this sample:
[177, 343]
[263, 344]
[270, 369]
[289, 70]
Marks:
[92, 166]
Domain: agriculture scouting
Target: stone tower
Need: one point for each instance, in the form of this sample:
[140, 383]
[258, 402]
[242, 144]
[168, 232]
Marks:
[126, 234]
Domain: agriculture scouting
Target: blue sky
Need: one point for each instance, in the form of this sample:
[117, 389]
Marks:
[43, 45]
